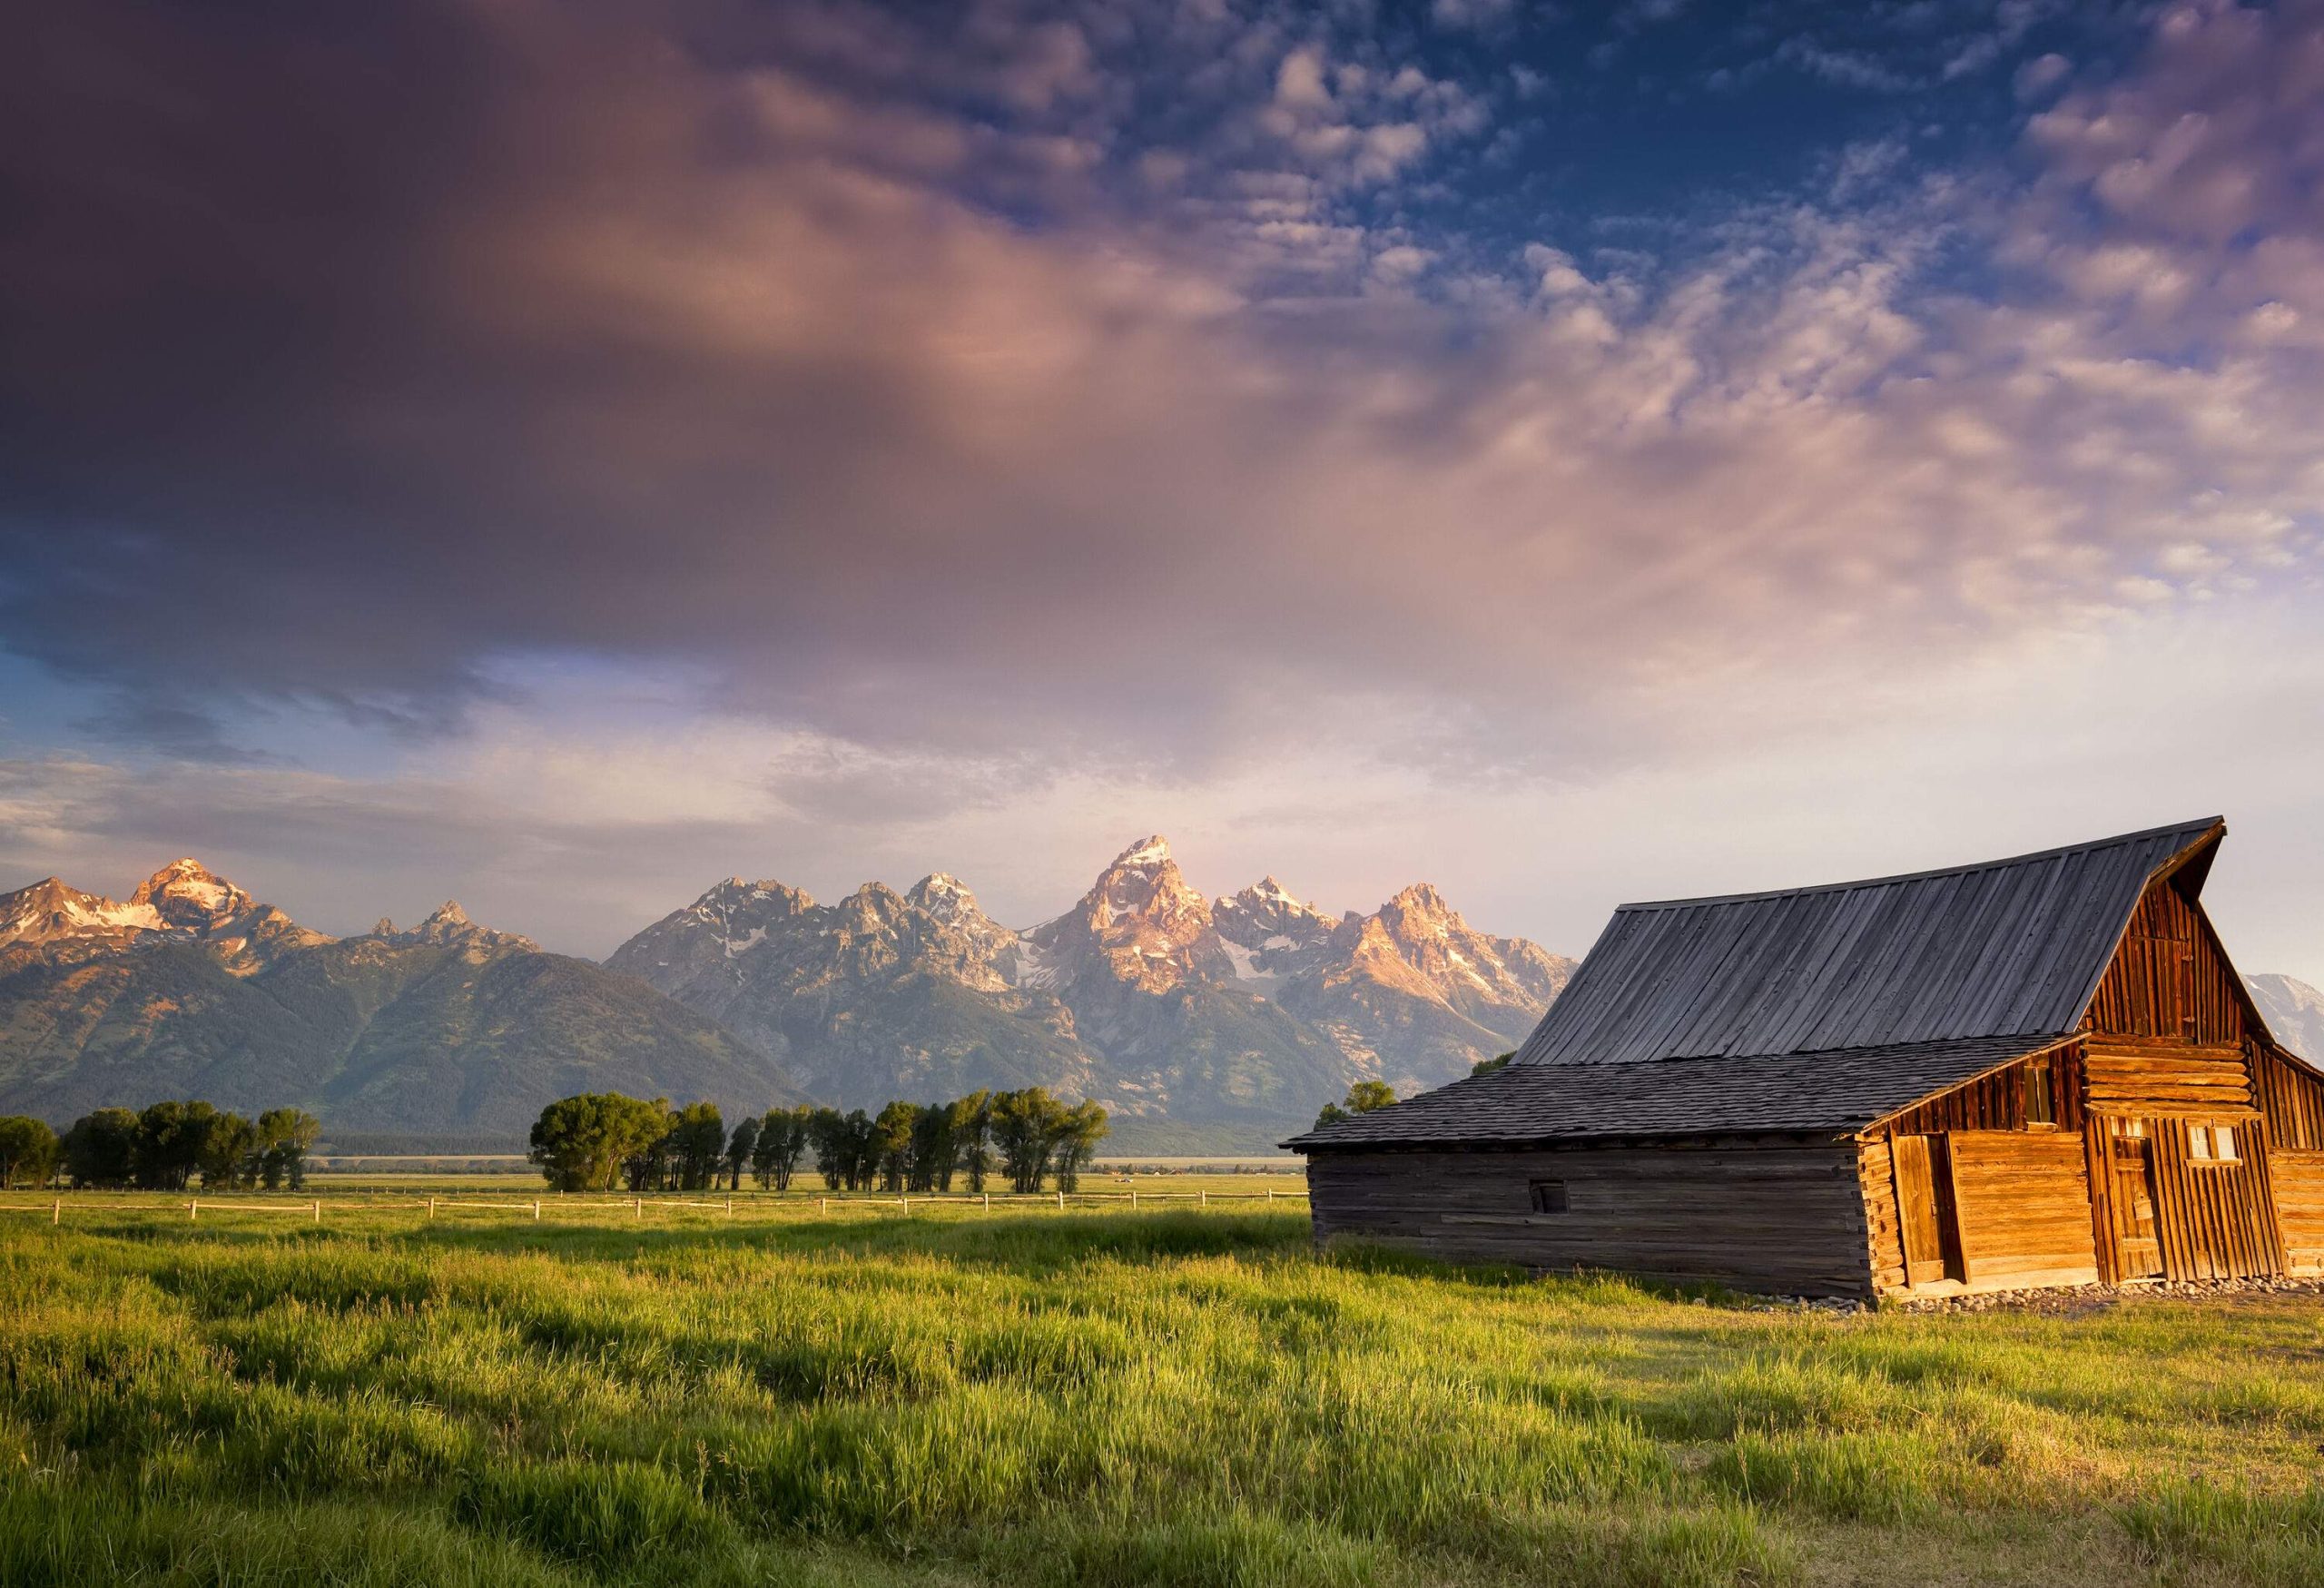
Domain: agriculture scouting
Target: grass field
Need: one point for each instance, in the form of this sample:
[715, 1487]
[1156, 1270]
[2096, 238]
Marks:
[1106, 1397]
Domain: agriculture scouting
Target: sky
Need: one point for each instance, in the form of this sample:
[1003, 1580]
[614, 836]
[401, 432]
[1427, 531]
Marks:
[561, 455]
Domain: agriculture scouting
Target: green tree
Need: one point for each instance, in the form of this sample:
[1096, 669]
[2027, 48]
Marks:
[892, 1133]
[932, 1150]
[582, 1143]
[229, 1155]
[827, 1130]
[1078, 1133]
[285, 1136]
[1366, 1097]
[170, 1140]
[101, 1149]
[1027, 1127]
[648, 1168]
[972, 1138]
[784, 1137]
[28, 1151]
[697, 1147]
[740, 1149]
[1487, 1066]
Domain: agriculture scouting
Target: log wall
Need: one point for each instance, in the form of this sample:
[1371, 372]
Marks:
[1780, 1216]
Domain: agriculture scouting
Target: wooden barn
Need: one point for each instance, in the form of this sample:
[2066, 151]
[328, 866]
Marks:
[2035, 1071]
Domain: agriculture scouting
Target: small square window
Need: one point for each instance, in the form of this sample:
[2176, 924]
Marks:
[1548, 1196]
[2199, 1142]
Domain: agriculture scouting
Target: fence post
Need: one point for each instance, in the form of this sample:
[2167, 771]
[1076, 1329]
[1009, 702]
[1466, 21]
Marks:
[193, 1210]
[730, 1207]
[637, 1206]
[319, 1210]
[1060, 1201]
[56, 1213]
[431, 1207]
[987, 1201]
[1205, 1198]
[536, 1209]
[1133, 1201]
[822, 1204]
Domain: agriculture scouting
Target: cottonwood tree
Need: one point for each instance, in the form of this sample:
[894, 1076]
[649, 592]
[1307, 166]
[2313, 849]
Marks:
[28, 1151]
[785, 1136]
[583, 1143]
[1027, 1127]
[892, 1141]
[972, 1137]
[1078, 1133]
[1366, 1097]
[170, 1136]
[696, 1147]
[229, 1153]
[740, 1147]
[101, 1149]
[285, 1136]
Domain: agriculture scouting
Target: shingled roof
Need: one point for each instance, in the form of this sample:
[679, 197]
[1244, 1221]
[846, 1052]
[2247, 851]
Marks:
[1806, 1007]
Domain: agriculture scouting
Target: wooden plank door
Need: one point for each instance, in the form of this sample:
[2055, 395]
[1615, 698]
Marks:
[2138, 1247]
[1925, 1211]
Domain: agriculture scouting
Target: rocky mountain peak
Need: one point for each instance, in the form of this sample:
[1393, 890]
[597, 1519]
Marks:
[448, 924]
[50, 911]
[187, 894]
[1150, 851]
[1140, 925]
[942, 896]
[1421, 902]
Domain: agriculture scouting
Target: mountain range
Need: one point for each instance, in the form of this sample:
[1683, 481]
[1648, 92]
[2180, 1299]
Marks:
[1249, 1012]
[1201, 1024]
[194, 989]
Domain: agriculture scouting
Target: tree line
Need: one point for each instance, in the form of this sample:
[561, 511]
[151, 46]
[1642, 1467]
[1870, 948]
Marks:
[599, 1140]
[161, 1147]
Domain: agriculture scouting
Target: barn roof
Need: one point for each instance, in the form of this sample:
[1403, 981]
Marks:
[1836, 1091]
[1724, 1013]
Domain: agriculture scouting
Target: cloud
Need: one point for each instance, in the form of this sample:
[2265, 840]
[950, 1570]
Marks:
[978, 439]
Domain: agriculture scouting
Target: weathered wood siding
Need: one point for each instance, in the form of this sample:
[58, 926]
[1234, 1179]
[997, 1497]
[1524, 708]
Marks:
[1781, 1217]
[2291, 1098]
[2299, 1176]
[2169, 978]
[2216, 1221]
[2025, 1208]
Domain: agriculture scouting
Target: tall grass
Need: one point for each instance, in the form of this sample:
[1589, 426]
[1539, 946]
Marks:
[1109, 1398]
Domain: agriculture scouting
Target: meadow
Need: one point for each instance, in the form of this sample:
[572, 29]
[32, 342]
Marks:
[1173, 1396]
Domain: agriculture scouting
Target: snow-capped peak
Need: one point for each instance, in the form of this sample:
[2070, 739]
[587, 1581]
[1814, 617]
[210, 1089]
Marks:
[185, 892]
[50, 910]
[944, 897]
[1147, 852]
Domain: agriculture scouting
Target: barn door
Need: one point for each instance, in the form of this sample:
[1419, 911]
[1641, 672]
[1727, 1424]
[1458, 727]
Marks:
[1924, 1207]
[2138, 1249]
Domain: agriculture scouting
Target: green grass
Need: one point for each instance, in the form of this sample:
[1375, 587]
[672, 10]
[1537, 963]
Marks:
[1106, 1397]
